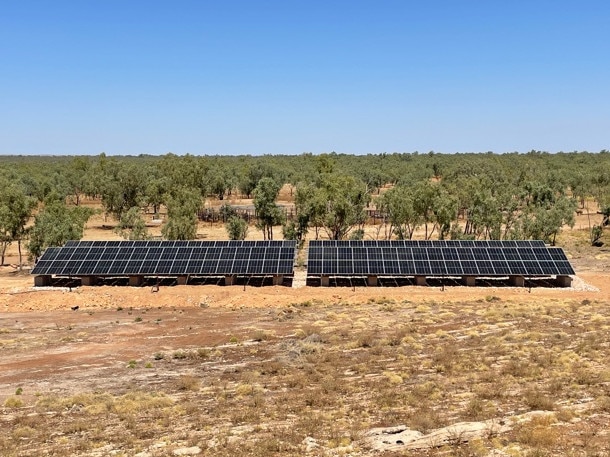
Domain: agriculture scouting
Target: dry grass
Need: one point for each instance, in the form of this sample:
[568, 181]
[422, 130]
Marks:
[340, 369]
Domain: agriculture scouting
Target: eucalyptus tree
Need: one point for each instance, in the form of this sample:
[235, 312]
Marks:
[78, 178]
[57, 223]
[268, 213]
[220, 180]
[132, 225]
[445, 210]
[236, 227]
[398, 206]
[15, 210]
[182, 206]
[122, 187]
[346, 199]
[254, 171]
[425, 194]
[544, 220]
[310, 206]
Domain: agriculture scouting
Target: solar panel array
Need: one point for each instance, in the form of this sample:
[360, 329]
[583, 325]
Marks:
[168, 258]
[436, 258]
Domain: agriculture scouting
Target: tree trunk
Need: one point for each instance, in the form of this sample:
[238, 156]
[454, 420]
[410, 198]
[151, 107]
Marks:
[19, 249]
[4, 245]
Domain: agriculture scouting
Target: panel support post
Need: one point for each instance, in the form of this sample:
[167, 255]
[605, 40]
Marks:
[182, 280]
[516, 281]
[230, 280]
[88, 280]
[42, 280]
[563, 281]
[420, 281]
[325, 281]
[469, 281]
[136, 281]
[371, 281]
[278, 280]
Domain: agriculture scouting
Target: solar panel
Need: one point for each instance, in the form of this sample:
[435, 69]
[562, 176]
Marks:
[158, 258]
[435, 258]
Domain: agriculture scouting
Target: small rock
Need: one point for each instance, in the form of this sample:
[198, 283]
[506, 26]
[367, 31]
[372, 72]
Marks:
[188, 451]
[310, 444]
[313, 338]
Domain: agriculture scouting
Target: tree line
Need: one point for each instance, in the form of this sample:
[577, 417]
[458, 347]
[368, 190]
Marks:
[457, 196]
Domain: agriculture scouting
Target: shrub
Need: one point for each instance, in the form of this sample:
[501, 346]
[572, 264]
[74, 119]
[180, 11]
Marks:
[188, 382]
[13, 402]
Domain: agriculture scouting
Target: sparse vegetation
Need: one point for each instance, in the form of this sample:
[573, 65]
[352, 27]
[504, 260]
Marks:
[344, 369]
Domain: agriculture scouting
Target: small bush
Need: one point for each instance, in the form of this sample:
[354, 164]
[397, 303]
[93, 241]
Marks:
[188, 382]
[366, 340]
[538, 433]
[260, 335]
[203, 353]
[425, 419]
[603, 403]
[537, 400]
[12, 402]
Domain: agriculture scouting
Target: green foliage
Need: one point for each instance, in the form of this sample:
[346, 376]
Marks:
[346, 199]
[237, 228]
[132, 225]
[55, 224]
[398, 204]
[257, 171]
[182, 207]
[227, 211]
[543, 219]
[268, 213]
[483, 196]
[310, 206]
[15, 210]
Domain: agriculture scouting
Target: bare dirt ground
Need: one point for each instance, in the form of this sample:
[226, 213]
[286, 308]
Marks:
[216, 370]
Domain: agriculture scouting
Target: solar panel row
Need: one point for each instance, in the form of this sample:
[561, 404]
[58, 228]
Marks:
[175, 243]
[429, 243]
[168, 258]
[395, 258]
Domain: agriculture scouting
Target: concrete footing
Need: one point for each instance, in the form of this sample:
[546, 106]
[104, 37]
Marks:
[230, 280]
[324, 281]
[563, 281]
[182, 280]
[42, 281]
[371, 281]
[136, 281]
[278, 280]
[420, 281]
[516, 281]
[469, 281]
[88, 280]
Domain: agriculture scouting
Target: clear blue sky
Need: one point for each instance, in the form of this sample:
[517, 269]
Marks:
[289, 76]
